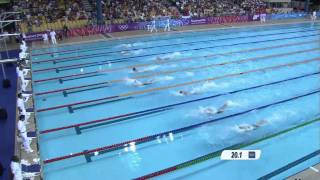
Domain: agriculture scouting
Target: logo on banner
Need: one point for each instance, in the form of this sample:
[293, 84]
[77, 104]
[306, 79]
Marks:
[198, 21]
[123, 27]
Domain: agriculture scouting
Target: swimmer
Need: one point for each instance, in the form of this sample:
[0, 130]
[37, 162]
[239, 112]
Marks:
[124, 52]
[223, 108]
[249, 127]
[184, 93]
[159, 59]
[139, 83]
[134, 69]
[260, 123]
[135, 82]
[208, 111]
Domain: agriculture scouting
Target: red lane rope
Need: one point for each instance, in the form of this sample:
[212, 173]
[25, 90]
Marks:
[157, 109]
[173, 86]
[175, 131]
[96, 150]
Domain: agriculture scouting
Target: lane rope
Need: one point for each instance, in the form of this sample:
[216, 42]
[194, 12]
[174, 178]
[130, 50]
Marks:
[218, 153]
[129, 116]
[175, 131]
[173, 71]
[174, 86]
[164, 61]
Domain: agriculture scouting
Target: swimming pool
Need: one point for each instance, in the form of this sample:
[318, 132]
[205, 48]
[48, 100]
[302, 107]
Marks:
[94, 123]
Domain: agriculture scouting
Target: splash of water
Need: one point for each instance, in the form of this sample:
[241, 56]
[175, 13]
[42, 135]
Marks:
[190, 74]
[172, 55]
[164, 78]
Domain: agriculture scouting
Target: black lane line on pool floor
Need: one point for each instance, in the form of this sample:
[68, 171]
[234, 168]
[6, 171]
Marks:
[132, 93]
[72, 109]
[75, 58]
[63, 52]
[129, 116]
[80, 129]
[290, 165]
[81, 74]
[66, 92]
[149, 138]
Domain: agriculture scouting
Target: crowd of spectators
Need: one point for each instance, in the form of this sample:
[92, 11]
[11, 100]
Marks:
[253, 5]
[37, 12]
[138, 10]
[202, 8]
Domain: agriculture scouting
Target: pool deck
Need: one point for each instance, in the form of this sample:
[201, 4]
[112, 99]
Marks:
[311, 173]
[141, 33]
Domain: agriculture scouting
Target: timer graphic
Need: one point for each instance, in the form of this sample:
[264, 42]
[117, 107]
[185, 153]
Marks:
[240, 155]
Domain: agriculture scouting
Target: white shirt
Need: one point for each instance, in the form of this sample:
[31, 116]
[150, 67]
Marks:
[20, 74]
[314, 13]
[53, 34]
[23, 48]
[21, 126]
[24, 86]
[16, 170]
[22, 55]
[20, 104]
[45, 37]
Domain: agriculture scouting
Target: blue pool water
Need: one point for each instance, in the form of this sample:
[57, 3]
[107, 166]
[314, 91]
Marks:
[264, 73]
